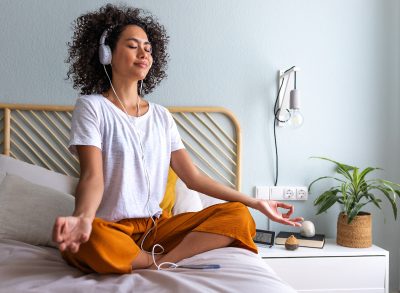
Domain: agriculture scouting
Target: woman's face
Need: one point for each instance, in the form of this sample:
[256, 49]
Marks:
[131, 57]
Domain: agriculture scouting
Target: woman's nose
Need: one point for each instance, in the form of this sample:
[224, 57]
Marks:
[141, 52]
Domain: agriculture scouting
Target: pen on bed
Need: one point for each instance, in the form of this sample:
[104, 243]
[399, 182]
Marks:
[200, 267]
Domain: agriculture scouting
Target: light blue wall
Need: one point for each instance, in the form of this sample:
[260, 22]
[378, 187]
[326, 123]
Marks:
[227, 53]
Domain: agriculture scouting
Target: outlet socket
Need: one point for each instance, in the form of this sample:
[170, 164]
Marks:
[301, 193]
[289, 193]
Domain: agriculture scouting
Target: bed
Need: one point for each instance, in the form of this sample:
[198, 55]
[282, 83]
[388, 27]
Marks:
[37, 180]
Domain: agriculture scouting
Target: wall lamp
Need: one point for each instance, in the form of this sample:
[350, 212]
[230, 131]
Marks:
[286, 111]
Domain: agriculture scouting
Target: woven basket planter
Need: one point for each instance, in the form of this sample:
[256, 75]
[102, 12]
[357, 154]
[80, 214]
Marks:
[357, 234]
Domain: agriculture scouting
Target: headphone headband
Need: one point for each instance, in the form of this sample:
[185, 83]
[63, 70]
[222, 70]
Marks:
[105, 50]
[103, 37]
[105, 33]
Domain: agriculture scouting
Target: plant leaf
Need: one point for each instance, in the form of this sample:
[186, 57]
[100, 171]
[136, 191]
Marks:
[386, 192]
[354, 211]
[329, 199]
[341, 168]
[363, 186]
[375, 200]
[355, 178]
[324, 177]
[325, 195]
[388, 182]
[348, 197]
[366, 171]
[344, 173]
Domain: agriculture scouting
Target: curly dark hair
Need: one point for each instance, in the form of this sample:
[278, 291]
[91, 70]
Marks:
[85, 69]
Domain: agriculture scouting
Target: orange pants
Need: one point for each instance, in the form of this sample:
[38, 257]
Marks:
[113, 247]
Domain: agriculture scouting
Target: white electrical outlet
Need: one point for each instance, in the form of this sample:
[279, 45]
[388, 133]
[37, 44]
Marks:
[289, 193]
[301, 193]
[282, 192]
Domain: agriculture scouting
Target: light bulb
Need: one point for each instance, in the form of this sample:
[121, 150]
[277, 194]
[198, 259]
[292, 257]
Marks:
[296, 119]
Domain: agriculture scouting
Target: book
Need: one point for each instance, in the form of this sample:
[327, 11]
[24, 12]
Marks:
[317, 241]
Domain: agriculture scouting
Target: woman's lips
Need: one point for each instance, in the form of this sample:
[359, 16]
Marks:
[141, 65]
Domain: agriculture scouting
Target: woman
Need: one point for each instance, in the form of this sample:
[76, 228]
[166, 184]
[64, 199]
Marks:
[125, 146]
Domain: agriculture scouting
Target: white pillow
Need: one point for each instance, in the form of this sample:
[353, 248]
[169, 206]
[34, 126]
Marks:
[187, 200]
[28, 211]
[38, 175]
[207, 200]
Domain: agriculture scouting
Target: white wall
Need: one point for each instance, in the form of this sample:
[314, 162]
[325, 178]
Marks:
[227, 53]
[394, 130]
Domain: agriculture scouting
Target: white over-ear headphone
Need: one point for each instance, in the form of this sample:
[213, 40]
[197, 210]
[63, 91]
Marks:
[105, 53]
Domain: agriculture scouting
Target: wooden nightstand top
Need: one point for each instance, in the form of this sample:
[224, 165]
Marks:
[330, 249]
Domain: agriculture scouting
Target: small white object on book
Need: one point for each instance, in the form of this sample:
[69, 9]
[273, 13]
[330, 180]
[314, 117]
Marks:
[307, 229]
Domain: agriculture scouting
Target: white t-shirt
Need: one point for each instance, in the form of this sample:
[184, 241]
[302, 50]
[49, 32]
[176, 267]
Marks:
[98, 122]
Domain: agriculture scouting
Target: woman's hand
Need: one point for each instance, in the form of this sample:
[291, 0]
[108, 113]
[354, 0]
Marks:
[70, 232]
[270, 209]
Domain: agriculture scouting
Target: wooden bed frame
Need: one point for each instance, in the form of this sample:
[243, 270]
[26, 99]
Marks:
[39, 134]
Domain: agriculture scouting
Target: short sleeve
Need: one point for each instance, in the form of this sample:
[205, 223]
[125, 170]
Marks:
[85, 126]
[176, 141]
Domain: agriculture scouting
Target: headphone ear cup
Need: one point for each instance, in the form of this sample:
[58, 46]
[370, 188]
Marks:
[105, 54]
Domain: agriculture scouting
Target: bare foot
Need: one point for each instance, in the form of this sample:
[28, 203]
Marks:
[152, 266]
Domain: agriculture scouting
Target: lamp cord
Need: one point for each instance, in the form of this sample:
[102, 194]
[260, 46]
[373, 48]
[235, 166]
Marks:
[276, 113]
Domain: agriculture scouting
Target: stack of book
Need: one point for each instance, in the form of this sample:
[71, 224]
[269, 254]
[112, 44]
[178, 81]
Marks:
[317, 241]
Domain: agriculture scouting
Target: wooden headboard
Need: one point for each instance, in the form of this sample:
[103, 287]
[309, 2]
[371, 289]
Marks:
[39, 134]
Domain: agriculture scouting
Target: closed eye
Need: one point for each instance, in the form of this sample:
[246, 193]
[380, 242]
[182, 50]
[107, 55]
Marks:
[149, 50]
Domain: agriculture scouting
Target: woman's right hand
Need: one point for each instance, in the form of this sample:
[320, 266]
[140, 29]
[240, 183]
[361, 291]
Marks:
[70, 232]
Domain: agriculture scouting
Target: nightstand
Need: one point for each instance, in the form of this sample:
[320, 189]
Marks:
[333, 268]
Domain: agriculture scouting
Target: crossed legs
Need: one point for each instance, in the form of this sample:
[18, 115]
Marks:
[193, 243]
[115, 247]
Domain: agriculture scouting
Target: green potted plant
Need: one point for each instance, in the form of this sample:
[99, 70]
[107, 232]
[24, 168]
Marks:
[353, 191]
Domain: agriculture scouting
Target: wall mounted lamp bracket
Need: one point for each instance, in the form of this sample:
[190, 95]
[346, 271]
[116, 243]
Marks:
[286, 79]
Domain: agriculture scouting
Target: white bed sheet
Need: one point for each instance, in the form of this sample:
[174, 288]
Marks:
[29, 268]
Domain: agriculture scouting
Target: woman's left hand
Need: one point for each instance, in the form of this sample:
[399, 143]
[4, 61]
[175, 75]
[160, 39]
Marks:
[270, 209]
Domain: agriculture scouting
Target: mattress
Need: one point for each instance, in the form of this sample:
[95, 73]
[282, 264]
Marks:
[30, 268]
